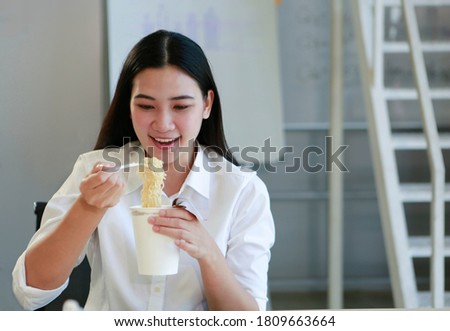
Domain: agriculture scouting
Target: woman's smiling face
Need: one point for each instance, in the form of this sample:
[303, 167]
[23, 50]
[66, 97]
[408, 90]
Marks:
[167, 110]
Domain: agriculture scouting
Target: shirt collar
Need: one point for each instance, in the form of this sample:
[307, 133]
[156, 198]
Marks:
[199, 178]
[195, 191]
[194, 194]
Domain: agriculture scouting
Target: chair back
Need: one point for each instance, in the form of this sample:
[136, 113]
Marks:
[80, 278]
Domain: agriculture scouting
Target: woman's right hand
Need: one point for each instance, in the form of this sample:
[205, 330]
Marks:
[101, 188]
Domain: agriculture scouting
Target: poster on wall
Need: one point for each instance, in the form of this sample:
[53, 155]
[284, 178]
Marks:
[240, 39]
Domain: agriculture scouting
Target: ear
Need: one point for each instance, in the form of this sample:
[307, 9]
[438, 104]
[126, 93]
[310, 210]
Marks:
[209, 99]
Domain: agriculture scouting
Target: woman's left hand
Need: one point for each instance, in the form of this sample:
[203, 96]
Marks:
[188, 232]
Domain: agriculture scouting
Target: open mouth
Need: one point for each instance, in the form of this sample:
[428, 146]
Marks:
[165, 142]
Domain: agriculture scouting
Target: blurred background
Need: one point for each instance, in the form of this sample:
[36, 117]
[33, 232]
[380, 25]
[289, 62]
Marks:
[54, 92]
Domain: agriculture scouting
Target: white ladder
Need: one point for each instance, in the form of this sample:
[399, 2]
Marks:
[402, 248]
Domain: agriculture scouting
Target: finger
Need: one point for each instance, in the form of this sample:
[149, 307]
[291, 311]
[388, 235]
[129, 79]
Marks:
[112, 187]
[108, 181]
[169, 222]
[178, 213]
[188, 247]
[178, 234]
[105, 199]
[106, 194]
[103, 178]
[111, 167]
[92, 180]
[101, 166]
[97, 167]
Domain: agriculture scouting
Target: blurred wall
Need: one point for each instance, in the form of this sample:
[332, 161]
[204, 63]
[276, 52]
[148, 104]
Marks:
[51, 102]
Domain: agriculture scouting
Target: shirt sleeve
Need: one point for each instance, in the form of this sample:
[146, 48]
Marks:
[30, 297]
[251, 237]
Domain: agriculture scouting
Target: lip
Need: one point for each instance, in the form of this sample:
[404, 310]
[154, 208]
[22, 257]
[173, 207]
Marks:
[164, 145]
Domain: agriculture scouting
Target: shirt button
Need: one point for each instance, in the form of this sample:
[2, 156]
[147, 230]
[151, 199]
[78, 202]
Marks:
[157, 289]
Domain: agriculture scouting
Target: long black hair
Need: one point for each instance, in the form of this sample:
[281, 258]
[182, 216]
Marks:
[157, 50]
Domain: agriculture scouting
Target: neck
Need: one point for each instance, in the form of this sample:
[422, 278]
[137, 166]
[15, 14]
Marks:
[176, 174]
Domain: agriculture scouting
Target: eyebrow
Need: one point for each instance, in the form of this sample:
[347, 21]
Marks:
[149, 97]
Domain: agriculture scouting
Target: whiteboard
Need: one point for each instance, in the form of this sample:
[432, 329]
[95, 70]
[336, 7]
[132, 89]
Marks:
[239, 38]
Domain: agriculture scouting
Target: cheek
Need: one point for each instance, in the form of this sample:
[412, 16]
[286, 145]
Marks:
[192, 124]
[139, 120]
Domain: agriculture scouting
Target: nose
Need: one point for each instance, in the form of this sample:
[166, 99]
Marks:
[163, 121]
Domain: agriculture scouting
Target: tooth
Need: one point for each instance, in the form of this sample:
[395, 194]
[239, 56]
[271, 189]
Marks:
[164, 140]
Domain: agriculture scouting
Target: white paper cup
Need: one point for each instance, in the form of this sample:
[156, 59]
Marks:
[156, 254]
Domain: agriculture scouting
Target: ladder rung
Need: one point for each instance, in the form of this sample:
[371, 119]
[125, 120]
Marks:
[411, 94]
[415, 141]
[418, 2]
[425, 299]
[419, 192]
[420, 246]
[427, 47]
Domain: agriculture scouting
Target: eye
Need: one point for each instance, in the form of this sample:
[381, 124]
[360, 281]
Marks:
[181, 107]
[145, 107]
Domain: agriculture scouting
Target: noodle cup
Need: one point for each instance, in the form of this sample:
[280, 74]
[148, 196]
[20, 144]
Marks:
[157, 254]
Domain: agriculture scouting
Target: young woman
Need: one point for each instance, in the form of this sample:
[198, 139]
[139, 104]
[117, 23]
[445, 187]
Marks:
[167, 105]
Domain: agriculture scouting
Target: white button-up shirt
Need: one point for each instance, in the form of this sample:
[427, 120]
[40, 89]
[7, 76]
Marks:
[232, 203]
